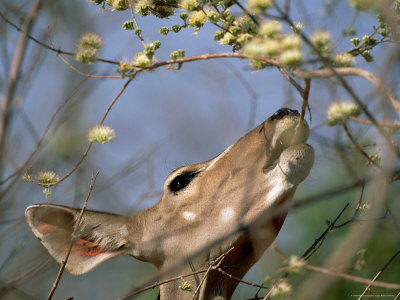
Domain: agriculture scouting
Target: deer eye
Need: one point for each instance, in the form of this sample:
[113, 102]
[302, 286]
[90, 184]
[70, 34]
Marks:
[181, 181]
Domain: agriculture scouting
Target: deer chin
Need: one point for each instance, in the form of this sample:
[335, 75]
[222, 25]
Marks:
[291, 168]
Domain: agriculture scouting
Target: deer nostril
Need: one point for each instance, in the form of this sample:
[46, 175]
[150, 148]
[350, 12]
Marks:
[279, 114]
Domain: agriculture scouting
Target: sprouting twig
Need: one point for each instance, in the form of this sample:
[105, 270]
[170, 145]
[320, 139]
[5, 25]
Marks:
[359, 148]
[378, 274]
[216, 263]
[328, 65]
[76, 166]
[326, 271]
[391, 124]
[58, 51]
[74, 237]
[38, 144]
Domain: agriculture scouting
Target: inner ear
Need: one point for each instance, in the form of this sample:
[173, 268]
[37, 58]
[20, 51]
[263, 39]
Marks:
[51, 220]
[99, 235]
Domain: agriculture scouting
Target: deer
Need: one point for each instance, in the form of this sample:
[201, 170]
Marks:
[192, 226]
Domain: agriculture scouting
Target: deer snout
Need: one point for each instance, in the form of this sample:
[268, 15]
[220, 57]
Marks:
[295, 162]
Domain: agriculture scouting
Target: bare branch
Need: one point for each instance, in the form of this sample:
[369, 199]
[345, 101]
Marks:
[74, 237]
[373, 281]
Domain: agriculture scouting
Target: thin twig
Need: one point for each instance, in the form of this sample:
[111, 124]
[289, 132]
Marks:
[246, 12]
[328, 65]
[374, 80]
[326, 271]
[390, 124]
[359, 148]
[39, 142]
[216, 263]
[291, 80]
[74, 237]
[386, 285]
[378, 274]
[58, 51]
[354, 213]
[76, 166]
[13, 78]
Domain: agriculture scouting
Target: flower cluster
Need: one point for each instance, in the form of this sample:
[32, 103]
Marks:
[271, 42]
[47, 177]
[89, 45]
[145, 58]
[101, 134]
[340, 111]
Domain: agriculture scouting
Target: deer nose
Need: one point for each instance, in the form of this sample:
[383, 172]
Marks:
[280, 113]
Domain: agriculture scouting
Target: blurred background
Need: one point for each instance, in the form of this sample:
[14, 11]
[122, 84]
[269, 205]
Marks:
[166, 119]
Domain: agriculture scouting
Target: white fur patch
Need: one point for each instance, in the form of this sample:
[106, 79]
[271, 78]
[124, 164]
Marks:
[227, 214]
[188, 215]
[279, 185]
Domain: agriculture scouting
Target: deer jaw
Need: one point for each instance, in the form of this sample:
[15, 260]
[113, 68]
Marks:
[200, 204]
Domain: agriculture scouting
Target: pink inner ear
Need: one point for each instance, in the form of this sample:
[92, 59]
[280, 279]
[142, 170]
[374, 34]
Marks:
[46, 228]
[81, 247]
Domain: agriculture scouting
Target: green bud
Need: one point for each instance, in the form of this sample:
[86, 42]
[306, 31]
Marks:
[47, 192]
[28, 174]
[143, 7]
[128, 25]
[383, 31]
[367, 56]
[176, 28]
[244, 38]
[164, 30]
[156, 45]
[177, 54]
[368, 40]
[163, 11]
[247, 25]
[118, 4]
[218, 35]
[228, 39]
[186, 286]
[355, 41]
[230, 19]
[138, 31]
[235, 30]
[183, 16]
[213, 17]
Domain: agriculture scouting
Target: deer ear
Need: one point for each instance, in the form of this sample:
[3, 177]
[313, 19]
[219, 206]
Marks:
[100, 236]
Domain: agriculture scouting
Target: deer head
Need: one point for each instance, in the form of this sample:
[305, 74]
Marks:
[200, 206]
